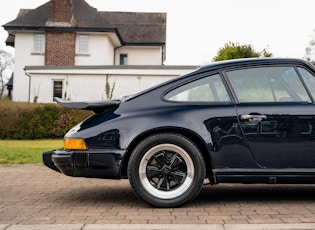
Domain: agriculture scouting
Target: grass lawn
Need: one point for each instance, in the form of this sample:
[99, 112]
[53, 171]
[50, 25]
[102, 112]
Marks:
[26, 151]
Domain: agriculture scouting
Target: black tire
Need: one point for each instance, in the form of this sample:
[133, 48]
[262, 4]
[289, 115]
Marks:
[166, 170]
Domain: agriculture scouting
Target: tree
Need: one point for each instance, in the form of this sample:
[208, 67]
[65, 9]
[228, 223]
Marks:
[310, 51]
[6, 62]
[233, 50]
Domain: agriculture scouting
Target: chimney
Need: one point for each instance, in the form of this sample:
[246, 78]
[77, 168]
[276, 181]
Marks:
[61, 13]
[60, 45]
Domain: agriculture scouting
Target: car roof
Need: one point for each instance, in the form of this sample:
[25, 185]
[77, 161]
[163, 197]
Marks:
[227, 64]
[250, 61]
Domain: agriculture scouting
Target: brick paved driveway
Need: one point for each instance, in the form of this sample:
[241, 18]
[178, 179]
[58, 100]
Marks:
[34, 194]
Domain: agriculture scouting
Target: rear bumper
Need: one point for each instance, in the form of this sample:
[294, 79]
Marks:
[48, 162]
[92, 164]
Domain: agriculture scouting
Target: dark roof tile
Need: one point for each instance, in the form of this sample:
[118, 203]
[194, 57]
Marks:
[88, 17]
[139, 27]
[31, 18]
[132, 28]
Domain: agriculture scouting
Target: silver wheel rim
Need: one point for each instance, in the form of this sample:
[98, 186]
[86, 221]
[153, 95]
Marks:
[166, 171]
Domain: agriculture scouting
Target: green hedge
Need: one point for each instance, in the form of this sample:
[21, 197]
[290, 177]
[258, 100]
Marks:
[37, 121]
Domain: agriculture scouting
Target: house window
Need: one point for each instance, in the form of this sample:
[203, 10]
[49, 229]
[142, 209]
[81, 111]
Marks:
[57, 89]
[83, 44]
[39, 43]
[123, 59]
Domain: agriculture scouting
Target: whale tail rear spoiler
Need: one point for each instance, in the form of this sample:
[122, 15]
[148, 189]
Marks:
[96, 106]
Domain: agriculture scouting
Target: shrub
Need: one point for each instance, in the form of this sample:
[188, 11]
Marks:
[36, 121]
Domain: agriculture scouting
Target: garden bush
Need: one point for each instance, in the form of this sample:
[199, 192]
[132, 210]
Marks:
[37, 121]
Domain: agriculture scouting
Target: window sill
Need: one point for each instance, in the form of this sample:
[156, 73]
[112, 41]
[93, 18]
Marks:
[37, 53]
[83, 55]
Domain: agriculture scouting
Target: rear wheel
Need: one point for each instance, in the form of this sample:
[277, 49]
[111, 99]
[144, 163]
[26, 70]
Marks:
[166, 170]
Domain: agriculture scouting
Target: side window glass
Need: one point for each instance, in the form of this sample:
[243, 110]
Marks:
[208, 89]
[268, 84]
[309, 80]
[123, 59]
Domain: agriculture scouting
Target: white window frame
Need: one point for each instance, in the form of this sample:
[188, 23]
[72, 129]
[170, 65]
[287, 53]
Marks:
[54, 84]
[83, 44]
[39, 43]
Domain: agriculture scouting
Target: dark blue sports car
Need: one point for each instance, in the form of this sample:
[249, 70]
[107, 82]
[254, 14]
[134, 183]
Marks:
[240, 121]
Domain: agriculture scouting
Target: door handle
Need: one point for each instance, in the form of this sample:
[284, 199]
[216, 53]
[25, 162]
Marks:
[253, 117]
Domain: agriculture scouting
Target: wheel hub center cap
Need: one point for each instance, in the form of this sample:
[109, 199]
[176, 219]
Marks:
[166, 170]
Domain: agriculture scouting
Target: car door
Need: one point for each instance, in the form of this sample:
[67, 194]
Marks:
[212, 114]
[276, 114]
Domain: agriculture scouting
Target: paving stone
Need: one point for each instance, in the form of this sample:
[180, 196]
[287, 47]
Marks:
[33, 196]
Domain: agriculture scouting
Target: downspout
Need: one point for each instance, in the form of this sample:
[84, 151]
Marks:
[163, 53]
[115, 53]
[29, 84]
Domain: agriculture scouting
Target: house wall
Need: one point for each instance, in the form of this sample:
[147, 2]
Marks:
[81, 84]
[101, 51]
[143, 55]
[24, 46]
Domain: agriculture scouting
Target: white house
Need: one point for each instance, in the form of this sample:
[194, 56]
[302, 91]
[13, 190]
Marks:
[67, 48]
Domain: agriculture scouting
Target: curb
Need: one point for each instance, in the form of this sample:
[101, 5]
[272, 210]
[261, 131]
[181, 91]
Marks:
[294, 226]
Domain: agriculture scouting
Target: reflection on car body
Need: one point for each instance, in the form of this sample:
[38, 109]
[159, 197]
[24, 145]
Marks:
[240, 121]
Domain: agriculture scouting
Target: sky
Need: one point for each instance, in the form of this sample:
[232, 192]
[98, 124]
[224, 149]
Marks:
[197, 29]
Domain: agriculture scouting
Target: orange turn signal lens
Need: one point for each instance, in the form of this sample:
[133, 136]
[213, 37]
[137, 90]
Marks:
[74, 144]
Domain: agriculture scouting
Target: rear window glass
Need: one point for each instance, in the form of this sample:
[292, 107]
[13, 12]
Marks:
[208, 89]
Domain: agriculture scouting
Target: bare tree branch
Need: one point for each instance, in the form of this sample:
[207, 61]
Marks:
[6, 64]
